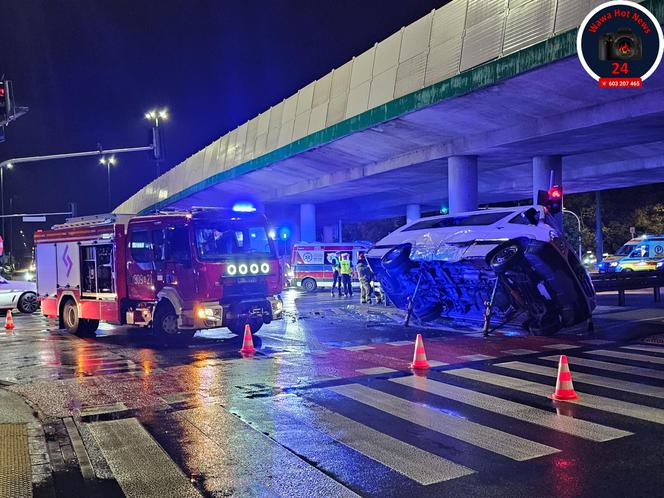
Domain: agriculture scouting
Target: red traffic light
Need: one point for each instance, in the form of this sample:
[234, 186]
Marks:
[555, 193]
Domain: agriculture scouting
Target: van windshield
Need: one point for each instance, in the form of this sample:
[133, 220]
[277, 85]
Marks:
[216, 241]
[625, 250]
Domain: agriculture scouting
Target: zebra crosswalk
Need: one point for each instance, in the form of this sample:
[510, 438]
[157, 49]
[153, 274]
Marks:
[506, 390]
[433, 435]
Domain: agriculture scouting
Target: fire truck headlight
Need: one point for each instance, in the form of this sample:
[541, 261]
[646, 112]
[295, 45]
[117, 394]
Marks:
[231, 269]
[253, 268]
[243, 269]
[204, 313]
[265, 268]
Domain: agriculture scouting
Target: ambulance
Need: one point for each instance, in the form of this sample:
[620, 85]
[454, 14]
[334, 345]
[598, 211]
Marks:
[311, 264]
[639, 254]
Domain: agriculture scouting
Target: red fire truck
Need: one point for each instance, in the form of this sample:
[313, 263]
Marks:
[176, 272]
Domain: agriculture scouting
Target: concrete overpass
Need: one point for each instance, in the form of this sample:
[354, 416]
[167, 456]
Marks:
[476, 102]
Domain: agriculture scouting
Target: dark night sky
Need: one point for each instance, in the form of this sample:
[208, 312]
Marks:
[89, 70]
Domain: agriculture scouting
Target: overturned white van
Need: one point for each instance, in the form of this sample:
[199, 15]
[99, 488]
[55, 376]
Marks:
[453, 265]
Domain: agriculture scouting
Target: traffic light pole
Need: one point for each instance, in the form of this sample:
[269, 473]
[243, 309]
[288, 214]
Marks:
[69, 155]
[53, 157]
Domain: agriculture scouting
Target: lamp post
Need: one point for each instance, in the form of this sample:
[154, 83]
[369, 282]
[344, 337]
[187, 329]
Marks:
[578, 221]
[156, 116]
[108, 162]
[2, 193]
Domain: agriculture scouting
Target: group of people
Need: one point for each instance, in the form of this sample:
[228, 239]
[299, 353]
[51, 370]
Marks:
[342, 268]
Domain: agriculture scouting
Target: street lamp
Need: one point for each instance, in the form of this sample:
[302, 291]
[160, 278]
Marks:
[155, 116]
[108, 162]
[578, 221]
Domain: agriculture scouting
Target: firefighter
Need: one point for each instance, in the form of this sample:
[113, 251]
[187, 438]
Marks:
[365, 275]
[346, 270]
[336, 275]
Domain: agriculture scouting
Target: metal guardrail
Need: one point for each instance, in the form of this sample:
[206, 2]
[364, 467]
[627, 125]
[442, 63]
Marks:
[623, 281]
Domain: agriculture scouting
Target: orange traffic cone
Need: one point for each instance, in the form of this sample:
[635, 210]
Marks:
[564, 388]
[420, 356]
[247, 341]
[9, 321]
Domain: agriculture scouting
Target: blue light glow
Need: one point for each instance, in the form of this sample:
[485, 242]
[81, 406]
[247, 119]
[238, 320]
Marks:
[244, 207]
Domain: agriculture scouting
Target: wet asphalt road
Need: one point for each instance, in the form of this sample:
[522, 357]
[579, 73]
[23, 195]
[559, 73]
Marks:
[328, 407]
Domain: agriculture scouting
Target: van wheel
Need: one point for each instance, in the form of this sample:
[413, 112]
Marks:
[74, 324]
[309, 284]
[505, 257]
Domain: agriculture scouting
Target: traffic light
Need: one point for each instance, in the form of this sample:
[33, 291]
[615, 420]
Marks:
[6, 102]
[555, 199]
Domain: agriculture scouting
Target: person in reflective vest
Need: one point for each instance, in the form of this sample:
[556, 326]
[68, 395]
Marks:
[346, 270]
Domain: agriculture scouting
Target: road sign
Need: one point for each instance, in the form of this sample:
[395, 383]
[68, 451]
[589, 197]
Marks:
[632, 230]
[34, 219]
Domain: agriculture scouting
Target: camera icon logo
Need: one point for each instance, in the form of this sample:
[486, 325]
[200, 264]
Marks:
[623, 45]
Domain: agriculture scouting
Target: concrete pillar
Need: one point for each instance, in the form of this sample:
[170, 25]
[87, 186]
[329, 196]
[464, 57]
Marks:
[340, 232]
[308, 222]
[413, 212]
[548, 171]
[328, 233]
[462, 183]
[599, 237]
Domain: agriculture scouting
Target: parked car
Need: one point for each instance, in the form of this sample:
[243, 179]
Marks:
[448, 266]
[18, 294]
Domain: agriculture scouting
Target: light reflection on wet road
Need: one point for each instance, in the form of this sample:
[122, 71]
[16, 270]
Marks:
[275, 424]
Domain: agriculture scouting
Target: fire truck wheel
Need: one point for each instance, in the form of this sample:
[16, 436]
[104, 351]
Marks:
[165, 325]
[73, 323]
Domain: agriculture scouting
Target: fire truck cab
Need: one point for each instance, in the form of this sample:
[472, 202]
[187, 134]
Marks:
[176, 272]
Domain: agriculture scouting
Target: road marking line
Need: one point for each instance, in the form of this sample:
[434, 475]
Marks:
[596, 342]
[595, 380]
[357, 348]
[543, 418]
[612, 367]
[560, 346]
[375, 370]
[476, 357]
[436, 363]
[519, 351]
[644, 347]
[89, 411]
[502, 443]
[140, 466]
[401, 343]
[244, 458]
[591, 401]
[628, 356]
[419, 465]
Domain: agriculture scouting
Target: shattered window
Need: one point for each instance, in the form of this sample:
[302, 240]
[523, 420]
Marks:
[460, 221]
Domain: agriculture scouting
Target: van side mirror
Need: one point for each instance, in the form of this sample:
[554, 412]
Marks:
[531, 215]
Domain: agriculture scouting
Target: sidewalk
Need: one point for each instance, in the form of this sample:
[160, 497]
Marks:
[23, 454]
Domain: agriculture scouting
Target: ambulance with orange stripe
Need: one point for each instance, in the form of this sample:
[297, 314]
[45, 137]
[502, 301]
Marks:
[311, 264]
